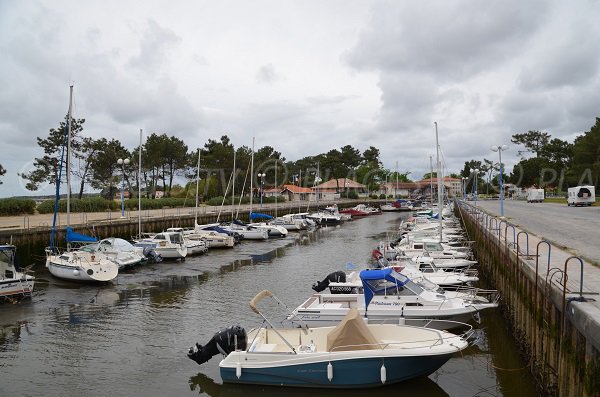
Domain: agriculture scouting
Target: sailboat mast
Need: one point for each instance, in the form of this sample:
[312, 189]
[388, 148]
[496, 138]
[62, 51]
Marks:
[439, 179]
[252, 175]
[140, 187]
[276, 160]
[431, 179]
[233, 186]
[197, 183]
[396, 190]
[69, 155]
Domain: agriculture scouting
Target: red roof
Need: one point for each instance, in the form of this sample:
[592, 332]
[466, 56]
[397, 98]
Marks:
[296, 189]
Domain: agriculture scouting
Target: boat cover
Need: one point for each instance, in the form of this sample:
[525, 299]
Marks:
[380, 281]
[73, 236]
[258, 215]
[352, 333]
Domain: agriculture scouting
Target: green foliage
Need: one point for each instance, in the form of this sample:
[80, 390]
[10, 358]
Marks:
[534, 141]
[352, 195]
[216, 201]
[15, 206]
[90, 204]
[165, 202]
[382, 196]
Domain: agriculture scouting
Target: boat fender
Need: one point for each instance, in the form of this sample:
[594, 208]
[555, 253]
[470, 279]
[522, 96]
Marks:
[238, 370]
[329, 371]
[383, 374]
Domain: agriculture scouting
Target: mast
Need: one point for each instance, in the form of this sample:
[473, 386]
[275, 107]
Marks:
[439, 179]
[233, 186]
[252, 175]
[197, 183]
[276, 160]
[431, 179]
[396, 190]
[140, 187]
[69, 156]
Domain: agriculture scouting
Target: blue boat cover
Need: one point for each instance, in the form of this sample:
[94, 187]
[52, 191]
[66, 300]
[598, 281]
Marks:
[73, 236]
[258, 215]
[380, 281]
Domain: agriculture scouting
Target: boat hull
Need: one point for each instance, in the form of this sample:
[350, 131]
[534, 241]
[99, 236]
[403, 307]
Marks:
[81, 269]
[16, 288]
[301, 370]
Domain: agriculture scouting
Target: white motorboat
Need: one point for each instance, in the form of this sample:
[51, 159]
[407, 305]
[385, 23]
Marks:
[432, 247]
[194, 246]
[389, 296]
[352, 354]
[14, 284]
[169, 245]
[289, 222]
[213, 238]
[247, 232]
[325, 218]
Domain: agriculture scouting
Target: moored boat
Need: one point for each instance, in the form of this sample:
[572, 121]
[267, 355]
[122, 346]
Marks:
[352, 354]
[14, 283]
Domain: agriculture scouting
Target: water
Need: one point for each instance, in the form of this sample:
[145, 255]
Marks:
[130, 338]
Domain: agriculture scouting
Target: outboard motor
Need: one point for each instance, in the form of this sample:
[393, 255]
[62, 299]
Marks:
[223, 342]
[336, 277]
[151, 255]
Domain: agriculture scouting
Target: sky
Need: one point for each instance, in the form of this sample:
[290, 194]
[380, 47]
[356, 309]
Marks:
[304, 76]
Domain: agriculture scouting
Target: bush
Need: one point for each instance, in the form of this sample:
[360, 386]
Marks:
[153, 204]
[90, 204]
[382, 196]
[16, 206]
[352, 195]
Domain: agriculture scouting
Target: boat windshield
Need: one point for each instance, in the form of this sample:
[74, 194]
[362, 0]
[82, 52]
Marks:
[433, 246]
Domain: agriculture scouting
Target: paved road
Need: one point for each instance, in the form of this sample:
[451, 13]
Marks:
[577, 229]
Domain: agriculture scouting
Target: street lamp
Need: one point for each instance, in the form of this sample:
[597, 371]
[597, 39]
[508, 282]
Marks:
[475, 172]
[464, 181]
[500, 149]
[123, 163]
[262, 184]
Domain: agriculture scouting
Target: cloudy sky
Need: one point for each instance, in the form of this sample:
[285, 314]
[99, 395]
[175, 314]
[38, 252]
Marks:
[302, 76]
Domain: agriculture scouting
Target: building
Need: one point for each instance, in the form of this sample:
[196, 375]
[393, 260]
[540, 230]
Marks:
[400, 189]
[334, 189]
[453, 186]
[296, 193]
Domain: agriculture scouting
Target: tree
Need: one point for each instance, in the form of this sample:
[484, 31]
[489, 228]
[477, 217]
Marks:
[104, 165]
[2, 172]
[47, 167]
[430, 175]
[586, 158]
[534, 141]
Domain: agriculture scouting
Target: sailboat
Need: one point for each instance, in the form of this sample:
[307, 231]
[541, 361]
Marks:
[274, 230]
[74, 264]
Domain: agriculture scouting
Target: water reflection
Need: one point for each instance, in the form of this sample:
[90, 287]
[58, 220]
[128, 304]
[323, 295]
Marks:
[203, 384]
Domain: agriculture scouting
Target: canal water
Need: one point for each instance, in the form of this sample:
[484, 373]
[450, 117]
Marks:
[130, 338]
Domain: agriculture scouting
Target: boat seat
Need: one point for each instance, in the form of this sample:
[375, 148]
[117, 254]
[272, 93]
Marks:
[265, 347]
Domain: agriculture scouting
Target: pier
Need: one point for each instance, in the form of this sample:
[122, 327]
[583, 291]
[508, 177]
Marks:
[550, 295]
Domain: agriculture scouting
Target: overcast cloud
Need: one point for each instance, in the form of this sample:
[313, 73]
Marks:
[302, 76]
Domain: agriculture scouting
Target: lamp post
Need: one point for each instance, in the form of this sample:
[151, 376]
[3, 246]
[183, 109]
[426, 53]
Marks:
[262, 184]
[475, 172]
[346, 184]
[464, 181]
[500, 149]
[123, 163]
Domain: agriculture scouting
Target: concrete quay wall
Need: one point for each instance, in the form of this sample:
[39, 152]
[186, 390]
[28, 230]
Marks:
[549, 297]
